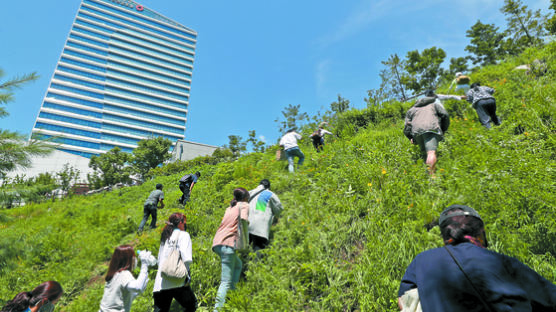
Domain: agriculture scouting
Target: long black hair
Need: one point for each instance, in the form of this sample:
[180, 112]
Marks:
[50, 290]
[240, 195]
[173, 221]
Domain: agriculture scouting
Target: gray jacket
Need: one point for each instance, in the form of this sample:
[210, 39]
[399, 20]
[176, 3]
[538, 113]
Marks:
[426, 116]
[479, 93]
[262, 210]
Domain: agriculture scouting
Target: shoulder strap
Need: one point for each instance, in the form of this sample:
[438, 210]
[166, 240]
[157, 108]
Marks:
[255, 195]
[469, 280]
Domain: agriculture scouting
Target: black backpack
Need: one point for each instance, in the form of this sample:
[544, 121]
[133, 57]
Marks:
[186, 179]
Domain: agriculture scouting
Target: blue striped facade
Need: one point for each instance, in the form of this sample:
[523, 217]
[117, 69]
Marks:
[124, 75]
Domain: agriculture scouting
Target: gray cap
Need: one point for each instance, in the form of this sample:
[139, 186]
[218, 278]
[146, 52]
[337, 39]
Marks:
[465, 211]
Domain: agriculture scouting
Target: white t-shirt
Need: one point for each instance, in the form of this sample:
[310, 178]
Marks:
[289, 140]
[122, 289]
[186, 251]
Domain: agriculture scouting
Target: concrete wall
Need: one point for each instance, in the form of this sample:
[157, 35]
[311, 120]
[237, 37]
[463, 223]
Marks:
[55, 163]
[186, 150]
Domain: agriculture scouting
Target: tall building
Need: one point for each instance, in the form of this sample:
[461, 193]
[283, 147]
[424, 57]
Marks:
[124, 75]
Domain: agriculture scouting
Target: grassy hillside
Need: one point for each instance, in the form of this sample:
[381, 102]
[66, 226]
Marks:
[354, 216]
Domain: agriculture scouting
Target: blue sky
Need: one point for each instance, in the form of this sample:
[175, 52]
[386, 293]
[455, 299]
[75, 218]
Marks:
[256, 57]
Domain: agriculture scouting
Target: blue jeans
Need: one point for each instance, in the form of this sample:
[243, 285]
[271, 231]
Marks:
[231, 270]
[294, 152]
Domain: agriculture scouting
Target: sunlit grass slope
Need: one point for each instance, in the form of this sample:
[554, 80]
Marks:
[354, 215]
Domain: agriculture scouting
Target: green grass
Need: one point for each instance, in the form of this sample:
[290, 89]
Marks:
[354, 215]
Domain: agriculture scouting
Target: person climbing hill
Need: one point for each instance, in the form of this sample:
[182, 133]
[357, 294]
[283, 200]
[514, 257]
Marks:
[150, 207]
[187, 182]
[461, 82]
[41, 299]
[318, 136]
[464, 276]
[264, 207]
[289, 143]
[484, 103]
[425, 124]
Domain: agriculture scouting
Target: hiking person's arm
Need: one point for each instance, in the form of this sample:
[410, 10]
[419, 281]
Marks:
[444, 117]
[489, 90]
[443, 97]
[191, 187]
[161, 203]
[407, 127]
[469, 96]
[275, 205]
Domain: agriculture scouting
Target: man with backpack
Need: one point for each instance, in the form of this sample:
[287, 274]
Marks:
[150, 207]
[264, 206]
[186, 186]
[318, 137]
[425, 124]
[461, 82]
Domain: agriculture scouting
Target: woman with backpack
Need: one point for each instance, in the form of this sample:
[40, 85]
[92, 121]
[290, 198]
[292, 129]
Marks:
[121, 287]
[166, 288]
[225, 243]
[41, 299]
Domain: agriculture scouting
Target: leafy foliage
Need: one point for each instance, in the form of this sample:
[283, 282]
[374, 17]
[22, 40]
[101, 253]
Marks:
[149, 154]
[551, 22]
[486, 45]
[110, 168]
[14, 150]
[339, 106]
[423, 69]
[293, 118]
[525, 28]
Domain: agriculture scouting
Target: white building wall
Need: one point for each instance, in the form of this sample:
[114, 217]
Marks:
[54, 163]
[186, 150]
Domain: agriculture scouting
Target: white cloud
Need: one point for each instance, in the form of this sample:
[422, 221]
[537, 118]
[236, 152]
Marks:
[262, 138]
[365, 13]
[321, 73]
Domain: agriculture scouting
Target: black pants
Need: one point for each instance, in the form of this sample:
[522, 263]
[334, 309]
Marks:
[486, 110]
[258, 242]
[184, 188]
[148, 210]
[318, 143]
[183, 295]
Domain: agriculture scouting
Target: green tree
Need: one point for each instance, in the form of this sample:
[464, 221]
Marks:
[423, 69]
[236, 145]
[14, 150]
[293, 118]
[258, 145]
[67, 177]
[456, 65]
[339, 106]
[392, 79]
[149, 154]
[487, 44]
[525, 27]
[110, 168]
[551, 22]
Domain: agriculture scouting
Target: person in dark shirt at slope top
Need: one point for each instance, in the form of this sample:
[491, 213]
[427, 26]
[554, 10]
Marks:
[484, 103]
[150, 207]
[464, 276]
[187, 182]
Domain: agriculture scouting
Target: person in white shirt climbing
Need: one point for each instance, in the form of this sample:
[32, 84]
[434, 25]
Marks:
[121, 287]
[289, 143]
